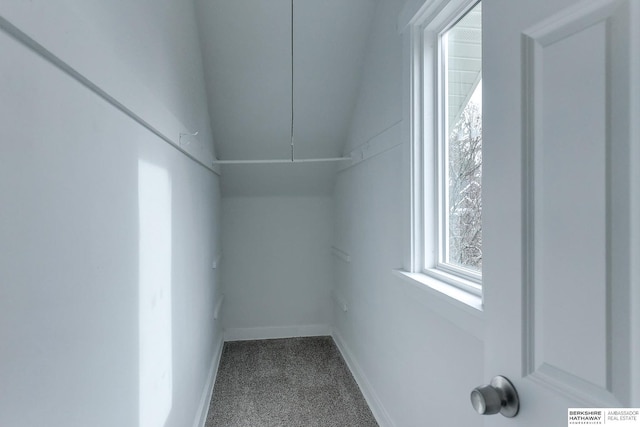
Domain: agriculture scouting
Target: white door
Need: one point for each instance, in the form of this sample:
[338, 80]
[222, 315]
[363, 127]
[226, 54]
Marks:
[561, 198]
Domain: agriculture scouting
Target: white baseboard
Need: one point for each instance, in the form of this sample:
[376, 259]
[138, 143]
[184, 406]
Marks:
[380, 414]
[242, 334]
[207, 392]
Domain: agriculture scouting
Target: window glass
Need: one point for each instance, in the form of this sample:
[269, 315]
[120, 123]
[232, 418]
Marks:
[461, 146]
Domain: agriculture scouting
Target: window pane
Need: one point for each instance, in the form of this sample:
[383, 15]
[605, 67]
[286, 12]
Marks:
[462, 46]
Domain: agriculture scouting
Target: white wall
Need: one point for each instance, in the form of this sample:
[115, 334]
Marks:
[107, 233]
[276, 267]
[145, 54]
[416, 356]
[379, 104]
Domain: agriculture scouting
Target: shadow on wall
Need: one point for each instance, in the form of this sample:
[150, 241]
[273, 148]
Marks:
[155, 386]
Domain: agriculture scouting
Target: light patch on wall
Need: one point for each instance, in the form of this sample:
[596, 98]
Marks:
[155, 341]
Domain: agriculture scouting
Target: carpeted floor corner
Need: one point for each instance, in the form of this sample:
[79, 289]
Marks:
[286, 382]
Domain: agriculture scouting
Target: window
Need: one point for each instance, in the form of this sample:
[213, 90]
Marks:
[460, 145]
[448, 145]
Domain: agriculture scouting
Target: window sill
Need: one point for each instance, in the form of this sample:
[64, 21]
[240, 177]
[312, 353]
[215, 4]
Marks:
[462, 308]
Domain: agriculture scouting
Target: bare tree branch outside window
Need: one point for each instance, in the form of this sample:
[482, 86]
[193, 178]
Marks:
[465, 189]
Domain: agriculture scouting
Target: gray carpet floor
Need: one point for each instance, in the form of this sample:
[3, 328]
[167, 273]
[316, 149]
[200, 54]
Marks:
[286, 382]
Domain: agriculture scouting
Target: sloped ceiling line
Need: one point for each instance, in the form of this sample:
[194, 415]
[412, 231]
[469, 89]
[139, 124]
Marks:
[248, 66]
[292, 133]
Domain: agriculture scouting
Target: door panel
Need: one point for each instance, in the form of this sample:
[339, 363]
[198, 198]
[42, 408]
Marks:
[567, 237]
[557, 190]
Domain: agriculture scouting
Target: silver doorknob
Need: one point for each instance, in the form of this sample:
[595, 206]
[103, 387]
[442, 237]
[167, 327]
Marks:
[499, 396]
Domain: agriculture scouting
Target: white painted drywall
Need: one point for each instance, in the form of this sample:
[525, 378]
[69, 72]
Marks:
[146, 54]
[379, 103]
[247, 56]
[107, 233]
[276, 268]
[278, 180]
[416, 366]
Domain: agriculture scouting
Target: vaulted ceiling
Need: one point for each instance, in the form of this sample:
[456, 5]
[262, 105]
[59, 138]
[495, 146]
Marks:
[247, 54]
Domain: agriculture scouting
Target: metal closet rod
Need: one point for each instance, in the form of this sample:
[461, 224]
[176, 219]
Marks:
[280, 161]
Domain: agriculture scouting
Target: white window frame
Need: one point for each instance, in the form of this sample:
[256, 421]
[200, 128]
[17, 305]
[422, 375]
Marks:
[427, 118]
